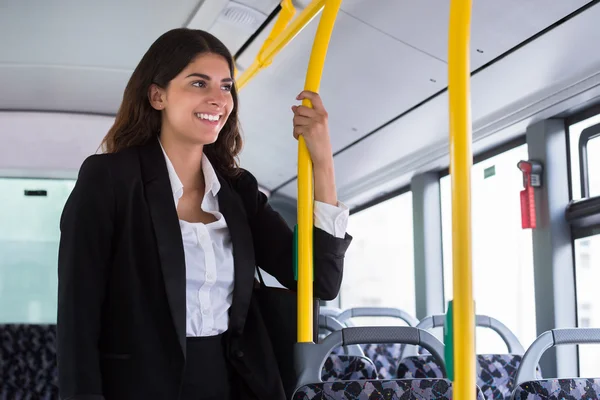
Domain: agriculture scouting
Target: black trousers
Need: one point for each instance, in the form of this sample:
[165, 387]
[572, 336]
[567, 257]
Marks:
[208, 375]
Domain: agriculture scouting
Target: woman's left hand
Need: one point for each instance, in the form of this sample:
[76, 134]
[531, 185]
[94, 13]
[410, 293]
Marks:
[312, 124]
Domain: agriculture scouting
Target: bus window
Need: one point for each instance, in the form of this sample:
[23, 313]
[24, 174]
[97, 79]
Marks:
[587, 271]
[29, 235]
[593, 149]
[503, 284]
[586, 249]
[379, 266]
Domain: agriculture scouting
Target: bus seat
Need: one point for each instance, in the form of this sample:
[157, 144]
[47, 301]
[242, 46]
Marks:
[385, 356]
[347, 362]
[28, 367]
[530, 388]
[310, 358]
[495, 372]
[418, 367]
[328, 324]
[345, 368]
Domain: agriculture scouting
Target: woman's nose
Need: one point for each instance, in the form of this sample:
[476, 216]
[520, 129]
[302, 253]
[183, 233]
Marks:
[217, 98]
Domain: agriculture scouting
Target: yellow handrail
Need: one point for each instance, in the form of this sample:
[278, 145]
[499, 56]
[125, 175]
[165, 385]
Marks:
[461, 160]
[285, 16]
[305, 179]
[277, 40]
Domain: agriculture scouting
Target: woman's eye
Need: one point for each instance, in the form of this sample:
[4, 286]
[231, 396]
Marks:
[227, 88]
[199, 84]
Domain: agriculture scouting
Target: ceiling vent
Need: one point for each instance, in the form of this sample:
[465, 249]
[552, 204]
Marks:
[242, 16]
[235, 24]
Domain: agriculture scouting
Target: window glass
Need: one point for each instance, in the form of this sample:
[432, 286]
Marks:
[587, 270]
[593, 155]
[502, 252]
[379, 266]
[593, 158]
[29, 235]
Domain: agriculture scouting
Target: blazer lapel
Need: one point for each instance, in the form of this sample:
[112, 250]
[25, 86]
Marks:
[168, 234]
[232, 208]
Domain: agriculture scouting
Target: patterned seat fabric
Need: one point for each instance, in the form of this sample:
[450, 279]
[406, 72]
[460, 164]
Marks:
[419, 367]
[421, 389]
[28, 368]
[496, 372]
[345, 368]
[385, 357]
[559, 389]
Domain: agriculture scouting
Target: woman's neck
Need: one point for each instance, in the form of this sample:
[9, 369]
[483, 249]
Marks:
[187, 161]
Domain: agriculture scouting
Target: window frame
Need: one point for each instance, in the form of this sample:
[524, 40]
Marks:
[587, 134]
[582, 215]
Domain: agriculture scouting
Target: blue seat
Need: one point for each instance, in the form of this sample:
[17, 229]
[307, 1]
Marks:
[528, 387]
[28, 367]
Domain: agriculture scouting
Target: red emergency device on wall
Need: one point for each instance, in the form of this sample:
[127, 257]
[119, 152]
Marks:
[532, 178]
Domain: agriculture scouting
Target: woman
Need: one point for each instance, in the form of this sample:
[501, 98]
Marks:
[161, 236]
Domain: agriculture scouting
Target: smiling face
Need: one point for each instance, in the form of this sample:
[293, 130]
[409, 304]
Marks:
[197, 102]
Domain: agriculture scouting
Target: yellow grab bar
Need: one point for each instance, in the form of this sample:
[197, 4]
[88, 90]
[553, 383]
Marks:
[285, 16]
[461, 160]
[305, 178]
[278, 40]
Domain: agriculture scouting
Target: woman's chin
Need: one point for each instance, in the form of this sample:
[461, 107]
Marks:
[205, 137]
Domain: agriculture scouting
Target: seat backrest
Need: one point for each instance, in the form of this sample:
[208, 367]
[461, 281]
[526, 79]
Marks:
[28, 367]
[481, 321]
[310, 358]
[345, 368]
[574, 388]
[422, 389]
[530, 388]
[495, 372]
[329, 323]
[384, 356]
[419, 367]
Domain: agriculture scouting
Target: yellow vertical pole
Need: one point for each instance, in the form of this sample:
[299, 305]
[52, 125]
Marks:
[305, 178]
[461, 159]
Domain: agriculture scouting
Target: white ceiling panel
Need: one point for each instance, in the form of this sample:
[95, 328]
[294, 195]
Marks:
[49, 141]
[496, 27]
[111, 33]
[363, 86]
[62, 88]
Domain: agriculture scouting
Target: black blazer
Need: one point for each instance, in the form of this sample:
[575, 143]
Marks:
[121, 270]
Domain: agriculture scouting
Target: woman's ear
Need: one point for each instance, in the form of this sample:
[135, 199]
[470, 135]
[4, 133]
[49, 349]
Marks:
[156, 97]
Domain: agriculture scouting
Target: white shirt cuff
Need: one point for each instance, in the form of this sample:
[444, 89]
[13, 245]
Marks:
[332, 219]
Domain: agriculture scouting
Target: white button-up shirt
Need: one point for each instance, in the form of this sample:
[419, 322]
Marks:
[209, 254]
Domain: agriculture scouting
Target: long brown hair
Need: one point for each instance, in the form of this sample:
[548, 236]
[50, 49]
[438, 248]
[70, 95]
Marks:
[137, 121]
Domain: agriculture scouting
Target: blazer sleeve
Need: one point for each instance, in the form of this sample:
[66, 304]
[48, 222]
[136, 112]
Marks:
[274, 244]
[84, 256]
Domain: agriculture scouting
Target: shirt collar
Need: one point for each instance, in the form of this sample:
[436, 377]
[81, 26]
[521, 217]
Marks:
[210, 176]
